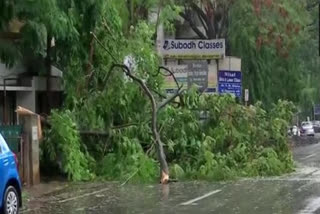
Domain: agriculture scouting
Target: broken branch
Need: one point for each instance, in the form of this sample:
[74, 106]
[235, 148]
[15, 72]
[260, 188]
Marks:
[104, 47]
[170, 99]
[170, 74]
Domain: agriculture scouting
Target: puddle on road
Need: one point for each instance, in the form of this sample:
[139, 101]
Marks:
[111, 198]
[271, 195]
[313, 205]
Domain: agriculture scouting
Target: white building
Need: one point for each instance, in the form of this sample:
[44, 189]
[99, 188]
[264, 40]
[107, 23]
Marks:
[18, 88]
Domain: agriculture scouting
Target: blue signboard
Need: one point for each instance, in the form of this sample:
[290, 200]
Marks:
[229, 82]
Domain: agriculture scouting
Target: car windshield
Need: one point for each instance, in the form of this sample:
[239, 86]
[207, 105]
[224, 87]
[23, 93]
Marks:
[3, 144]
[307, 125]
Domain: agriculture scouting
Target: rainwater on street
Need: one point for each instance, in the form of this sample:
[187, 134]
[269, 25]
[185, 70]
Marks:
[298, 192]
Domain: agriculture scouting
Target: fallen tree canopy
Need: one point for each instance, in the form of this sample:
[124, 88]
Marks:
[233, 141]
[194, 136]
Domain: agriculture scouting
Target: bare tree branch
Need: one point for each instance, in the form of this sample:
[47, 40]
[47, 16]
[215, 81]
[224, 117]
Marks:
[199, 11]
[170, 74]
[105, 24]
[164, 169]
[107, 77]
[178, 92]
[98, 133]
[159, 94]
[150, 149]
[203, 24]
[90, 67]
[166, 75]
[138, 80]
[203, 17]
[104, 47]
[170, 99]
[213, 18]
[125, 126]
[193, 25]
[158, 18]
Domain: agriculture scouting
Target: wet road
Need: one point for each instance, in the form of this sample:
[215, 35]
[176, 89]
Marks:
[298, 192]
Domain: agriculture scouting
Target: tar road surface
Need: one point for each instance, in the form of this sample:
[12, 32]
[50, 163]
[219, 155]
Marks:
[298, 192]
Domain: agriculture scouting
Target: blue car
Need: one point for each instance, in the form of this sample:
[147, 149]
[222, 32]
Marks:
[10, 185]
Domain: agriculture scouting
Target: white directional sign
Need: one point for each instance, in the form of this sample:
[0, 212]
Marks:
[246, 95]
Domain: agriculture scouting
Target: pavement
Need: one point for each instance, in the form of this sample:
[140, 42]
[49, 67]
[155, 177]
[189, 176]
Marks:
[298, 192]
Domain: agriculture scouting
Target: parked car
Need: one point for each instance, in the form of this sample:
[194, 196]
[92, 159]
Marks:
[307, 129]
[316, 126]
[10, 185]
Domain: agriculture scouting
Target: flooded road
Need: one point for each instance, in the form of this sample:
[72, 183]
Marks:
[298, 192]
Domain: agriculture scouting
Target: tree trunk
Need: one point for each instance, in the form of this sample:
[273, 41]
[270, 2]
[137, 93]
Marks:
[90, 62]
[214, 20]
[48, 71]
[131, 12]
[164, 169]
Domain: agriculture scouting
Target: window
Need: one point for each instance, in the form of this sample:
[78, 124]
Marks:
[3, 145]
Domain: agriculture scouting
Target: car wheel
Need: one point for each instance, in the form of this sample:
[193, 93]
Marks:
[11, 201]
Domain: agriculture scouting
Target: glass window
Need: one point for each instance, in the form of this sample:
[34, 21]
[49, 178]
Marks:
[3, 145]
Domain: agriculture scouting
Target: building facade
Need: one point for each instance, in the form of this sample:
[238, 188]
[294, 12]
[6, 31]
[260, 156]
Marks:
[19, 88]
